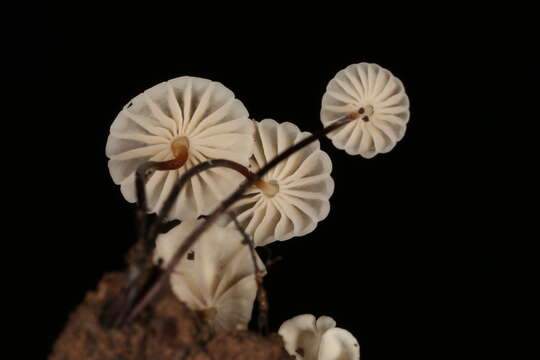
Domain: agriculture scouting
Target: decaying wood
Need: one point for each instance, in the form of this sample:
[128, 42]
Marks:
[167, 330]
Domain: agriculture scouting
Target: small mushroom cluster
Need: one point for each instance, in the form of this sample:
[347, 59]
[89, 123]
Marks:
[308, 338]
[186, 121]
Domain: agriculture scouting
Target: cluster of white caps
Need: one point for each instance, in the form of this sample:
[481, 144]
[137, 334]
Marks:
[191, 120]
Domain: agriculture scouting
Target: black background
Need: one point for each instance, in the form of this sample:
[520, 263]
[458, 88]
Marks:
[406, 260]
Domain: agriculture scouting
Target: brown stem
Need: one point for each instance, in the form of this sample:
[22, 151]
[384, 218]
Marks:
[175, 191]
[180, 150]
[247, 241]
[225, 204]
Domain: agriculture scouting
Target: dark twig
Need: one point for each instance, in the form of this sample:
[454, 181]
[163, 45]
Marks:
[141, 204]
[262, 297]
[116, 311]
[247, 241]
[222, 208]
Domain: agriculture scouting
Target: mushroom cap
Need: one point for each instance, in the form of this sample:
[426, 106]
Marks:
[303, 181]
[380, 102]
[338, 344]
[308, 338]
[217, 274]
[206, 113]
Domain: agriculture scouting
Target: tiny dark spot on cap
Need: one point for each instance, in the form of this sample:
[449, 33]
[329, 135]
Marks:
[160, 261]
[191, 255]
[300, 351]
[355, 345]
[365, 118]
[361, 110]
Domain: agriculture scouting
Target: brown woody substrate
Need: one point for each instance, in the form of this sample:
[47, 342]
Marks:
[167, 330]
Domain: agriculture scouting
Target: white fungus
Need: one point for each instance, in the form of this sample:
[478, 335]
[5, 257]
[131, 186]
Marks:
[377, 100]
[308, 338]
[217, 276]
[293, 196]
[183, 122]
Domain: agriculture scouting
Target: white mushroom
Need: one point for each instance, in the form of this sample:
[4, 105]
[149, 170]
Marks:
[181, 122]
[308, 338]
[377, 100]
[293, 196]
[217, 277]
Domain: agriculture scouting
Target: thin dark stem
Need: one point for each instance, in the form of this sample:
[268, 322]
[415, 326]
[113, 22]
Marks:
[248, 241]
[262, 297]
[221, 209]
[142, 218]
[116, 311]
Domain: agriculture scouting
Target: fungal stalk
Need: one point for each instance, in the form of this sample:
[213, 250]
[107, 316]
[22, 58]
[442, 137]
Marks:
[180, 151]
[291, 198]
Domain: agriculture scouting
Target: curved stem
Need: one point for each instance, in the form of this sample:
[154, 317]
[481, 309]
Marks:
[180, 150]
[155, 289]
[178, 186]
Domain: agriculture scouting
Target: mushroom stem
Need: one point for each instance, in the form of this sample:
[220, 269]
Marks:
[175, 191]
[188, 243]
[180, 150]
[269, 188]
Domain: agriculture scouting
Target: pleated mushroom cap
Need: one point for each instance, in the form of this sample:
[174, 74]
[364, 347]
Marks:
[298, 189]
[378, 100]
[338, 344]
[217, 277]
[308, 338]
[198, 114]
